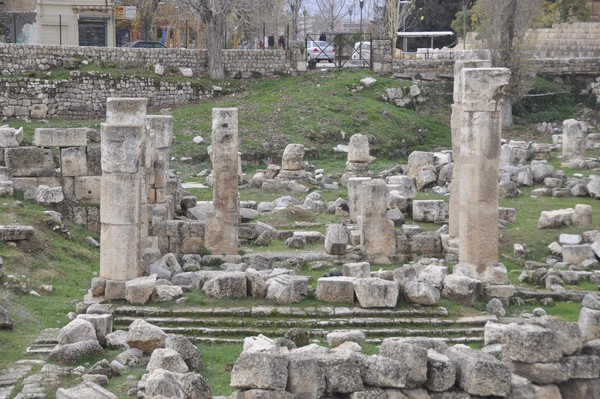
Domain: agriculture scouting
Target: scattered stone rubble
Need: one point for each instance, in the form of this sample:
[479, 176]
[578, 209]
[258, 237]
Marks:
[531, 358]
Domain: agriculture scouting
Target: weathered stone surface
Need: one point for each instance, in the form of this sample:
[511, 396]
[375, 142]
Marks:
[58, 137]
[402, 185]
[165, 292]
[29, 162]
[589, 389]
[589, 324]
[335, 289]
[542, 373]
[229, 285]
[306, 376]
[103, 323]
[164, 384]
[441, 372]
[376, 292]
[16, 232]
[10, 137]
[357, 269]
[77, 330]
[336, 239]
[45, 195]
[582, 215]
[412, 356]
[577, 254]
[593, 188]
[167, 359]
[422, 293]
[342, 373]
[139, 290]
[461, 289]
[76, 351]
[480, 373]
[336, 338]
[418, 160]
[568, 335]
[145, 336]
[5, 320]
[383, 372]
[188, 351]
[260, 370]
[288, 289]
[86, 389]
[358, 148]
[530, 344]
[555, 219]
[434, 211]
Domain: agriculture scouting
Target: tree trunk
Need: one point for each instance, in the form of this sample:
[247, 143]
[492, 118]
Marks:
[214, 30]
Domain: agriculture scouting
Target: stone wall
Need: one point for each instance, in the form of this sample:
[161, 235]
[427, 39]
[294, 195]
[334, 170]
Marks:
[16, 59]
[84, 95]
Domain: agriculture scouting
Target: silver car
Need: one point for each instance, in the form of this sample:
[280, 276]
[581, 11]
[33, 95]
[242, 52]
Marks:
[319, 51]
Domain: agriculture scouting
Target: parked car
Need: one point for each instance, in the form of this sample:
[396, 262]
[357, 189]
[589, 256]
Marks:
[319, 51]
[144, 44]
[362, 50]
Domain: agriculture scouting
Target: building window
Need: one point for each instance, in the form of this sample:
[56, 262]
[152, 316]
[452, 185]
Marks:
[92, 33]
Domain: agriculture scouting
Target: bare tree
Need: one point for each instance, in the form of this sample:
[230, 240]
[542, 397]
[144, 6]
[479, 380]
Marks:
[333, 11]
[502, 30]
[214, 14]
[294, 6]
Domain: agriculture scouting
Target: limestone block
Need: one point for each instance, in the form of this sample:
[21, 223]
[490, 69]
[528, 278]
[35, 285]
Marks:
[570, 239]
[355, 189]
[574, 143]
[161, 127]
[422, 293]
[16, 232]
[48, 195]
[589, 324]
[403, 185]
[86, 389]
[376, 293]
[434, 275]
[87, 189]
[555, 219]
[412, 356]
[426, 178]
[507, 214]
[582, 366]
[311, 237]
[418, 160]
[10, 137]
[594, 188]
[57, 137]
[94, 163]
[293, 157]
[103, 324]
[114, 289]
[306, 377]
[435, 211]
[335, 289]
[145, 336]
[591, 301]
[336, 338]
[383, 371]
[358, 148]
[260, 370]
[530, 344]
[541, 170]
[427, 244]
[121, 148]
[356, 269]
[77, 330]
[119, 252]
[287, 289]
[6, 189]
[542, 373]
[29, 162]
[167, 359]
[589, 389]
[582, 215]
[500, 291]
[73, 161]
[139, 290]
[461, 289]
[188, 351]
[577, 254]
[122, 193]
[336, 239]
[164, 384]
[479, 373]
[342, 374]
[75, 352]
[126, 111]
[441, 372]
[229, 285]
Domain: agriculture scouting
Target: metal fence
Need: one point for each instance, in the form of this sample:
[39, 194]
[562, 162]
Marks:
[344, 50]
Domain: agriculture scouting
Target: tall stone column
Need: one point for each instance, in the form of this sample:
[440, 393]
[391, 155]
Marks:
[480, 140]
[355, 189]
[221, 234]
[455, 126]
[123, 188]
[377, 233]
[574, 143]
